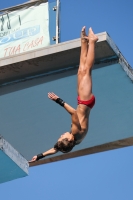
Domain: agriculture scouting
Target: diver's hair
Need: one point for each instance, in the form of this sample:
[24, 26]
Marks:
[64, 145]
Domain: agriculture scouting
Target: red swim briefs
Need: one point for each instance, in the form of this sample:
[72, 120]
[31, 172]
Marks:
[90, 103]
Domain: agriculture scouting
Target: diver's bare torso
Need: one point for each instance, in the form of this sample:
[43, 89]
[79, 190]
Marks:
[82, 112]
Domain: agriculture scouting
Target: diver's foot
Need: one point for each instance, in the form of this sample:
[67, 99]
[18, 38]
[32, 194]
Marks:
[92, 37]
[84, 37]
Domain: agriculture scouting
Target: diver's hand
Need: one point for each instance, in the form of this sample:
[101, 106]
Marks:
[52, 96]
[33, 159]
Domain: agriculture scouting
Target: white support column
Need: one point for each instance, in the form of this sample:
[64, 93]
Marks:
[57, 21]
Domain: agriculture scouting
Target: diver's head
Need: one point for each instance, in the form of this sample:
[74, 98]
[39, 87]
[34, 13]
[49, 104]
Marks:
[65, 143]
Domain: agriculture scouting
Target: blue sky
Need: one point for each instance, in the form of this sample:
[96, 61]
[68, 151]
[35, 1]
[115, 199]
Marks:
[107, 175]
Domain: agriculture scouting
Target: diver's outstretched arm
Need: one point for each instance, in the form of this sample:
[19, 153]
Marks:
[58, 100]
[42, 155]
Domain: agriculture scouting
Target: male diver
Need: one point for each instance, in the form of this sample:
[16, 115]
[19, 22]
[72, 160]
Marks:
[86, 99]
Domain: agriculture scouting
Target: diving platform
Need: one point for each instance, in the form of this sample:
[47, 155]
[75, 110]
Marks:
[12, 164]
[37, 123]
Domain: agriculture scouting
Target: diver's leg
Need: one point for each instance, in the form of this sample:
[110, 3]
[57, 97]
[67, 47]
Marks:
[83, 53]
[84, 47]
[84, 73]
